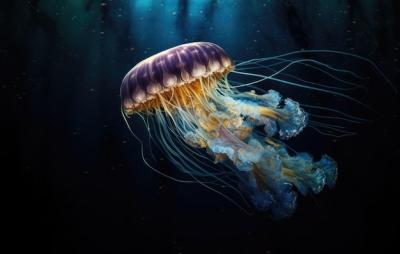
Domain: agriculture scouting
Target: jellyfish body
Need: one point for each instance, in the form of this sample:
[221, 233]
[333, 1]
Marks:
[186, 94]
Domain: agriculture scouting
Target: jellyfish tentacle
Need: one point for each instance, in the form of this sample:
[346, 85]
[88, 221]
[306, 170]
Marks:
[270, 77]
[183, 162]
[223, 137]
[144, 158]
[351, 85]
[333, 52]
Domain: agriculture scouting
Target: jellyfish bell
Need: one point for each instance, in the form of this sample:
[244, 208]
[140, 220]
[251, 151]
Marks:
[162, 79]
[201, 120]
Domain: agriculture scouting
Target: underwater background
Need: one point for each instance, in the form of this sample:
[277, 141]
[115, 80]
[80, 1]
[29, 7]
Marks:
[82, 186]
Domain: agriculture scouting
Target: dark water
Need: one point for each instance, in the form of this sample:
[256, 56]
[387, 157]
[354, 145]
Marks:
[82, 186]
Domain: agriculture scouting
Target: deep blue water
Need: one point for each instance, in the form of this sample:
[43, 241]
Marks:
[82, 186]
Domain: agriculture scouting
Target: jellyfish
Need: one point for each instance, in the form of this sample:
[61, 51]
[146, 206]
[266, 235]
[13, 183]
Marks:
[219, 134]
